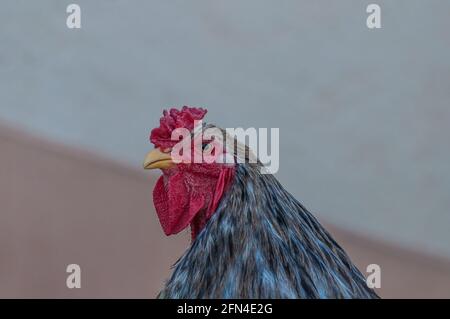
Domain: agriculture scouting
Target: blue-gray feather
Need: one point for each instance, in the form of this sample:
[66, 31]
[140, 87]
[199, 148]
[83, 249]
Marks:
[262, 243]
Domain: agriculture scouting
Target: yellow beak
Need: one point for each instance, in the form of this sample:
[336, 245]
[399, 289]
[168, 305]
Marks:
[158, 159]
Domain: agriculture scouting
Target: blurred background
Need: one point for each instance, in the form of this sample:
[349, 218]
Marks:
[363, 115]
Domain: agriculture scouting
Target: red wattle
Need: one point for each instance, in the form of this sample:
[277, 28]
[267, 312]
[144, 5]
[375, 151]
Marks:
[185, 198]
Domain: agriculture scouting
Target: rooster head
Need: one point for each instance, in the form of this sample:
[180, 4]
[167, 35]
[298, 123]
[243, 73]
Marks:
[189, 191]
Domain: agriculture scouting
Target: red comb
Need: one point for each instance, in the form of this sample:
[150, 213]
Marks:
[172, 119]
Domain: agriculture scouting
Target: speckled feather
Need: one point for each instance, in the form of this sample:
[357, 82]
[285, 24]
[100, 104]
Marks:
[262, 243]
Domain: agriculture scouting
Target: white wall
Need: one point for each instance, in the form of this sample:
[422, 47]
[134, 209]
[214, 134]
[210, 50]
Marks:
[363, 115]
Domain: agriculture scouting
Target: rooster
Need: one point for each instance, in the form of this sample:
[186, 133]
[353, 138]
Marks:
[250, 237]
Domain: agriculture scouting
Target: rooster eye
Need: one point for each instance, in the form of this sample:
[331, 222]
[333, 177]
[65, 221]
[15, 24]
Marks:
[205, 146]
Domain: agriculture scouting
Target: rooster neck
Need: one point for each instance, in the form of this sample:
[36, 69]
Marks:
[262, 243]
[222, 184]
[198, 223]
